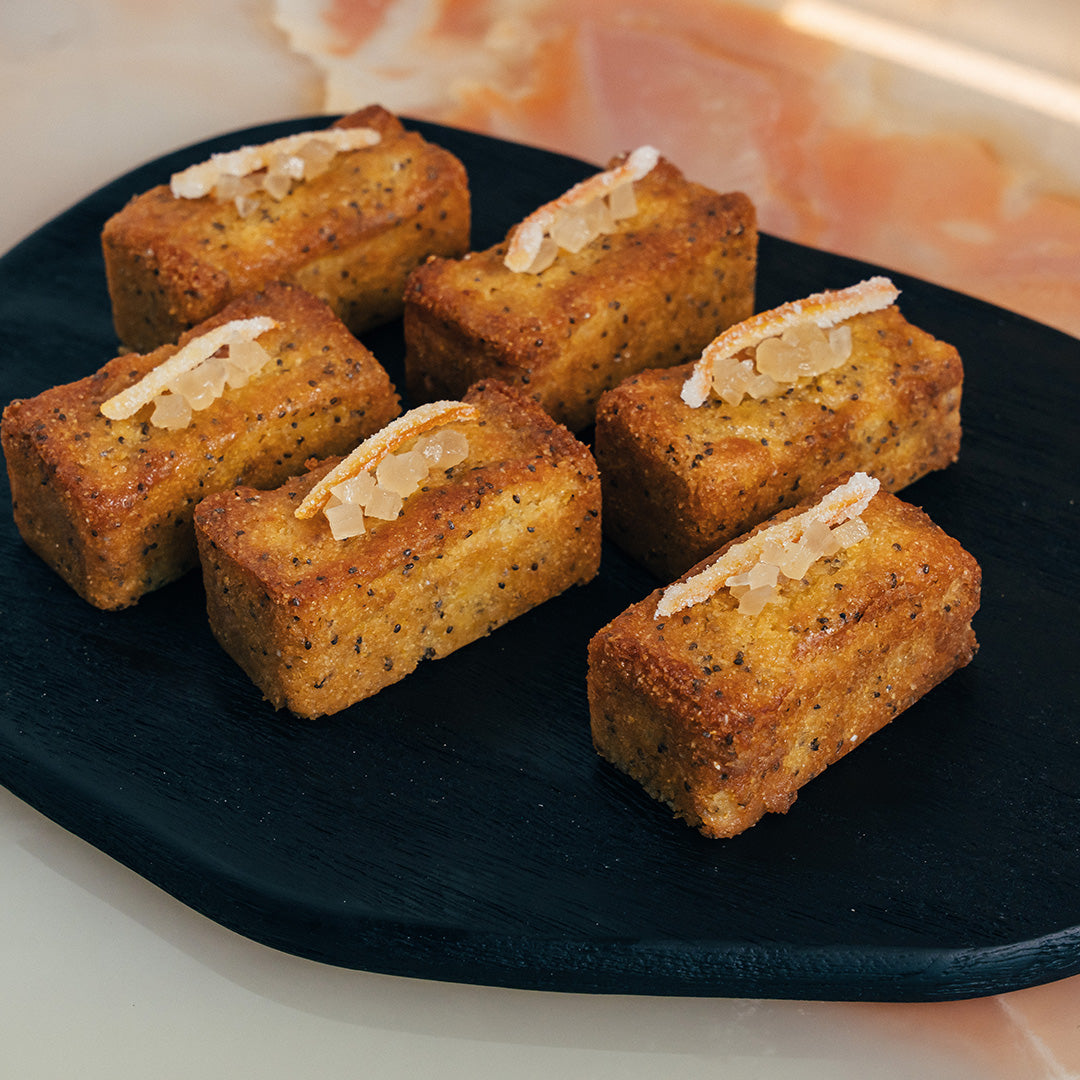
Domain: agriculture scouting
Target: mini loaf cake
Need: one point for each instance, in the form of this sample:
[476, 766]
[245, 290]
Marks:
[840, 381]
[456, 518]
[105, 472]
[726, 692]
[346, 212]
[635, 267]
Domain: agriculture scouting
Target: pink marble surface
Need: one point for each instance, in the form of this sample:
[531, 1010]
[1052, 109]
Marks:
[839, 149]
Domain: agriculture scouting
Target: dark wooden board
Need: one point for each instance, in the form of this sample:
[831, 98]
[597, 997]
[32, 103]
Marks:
[458, 826]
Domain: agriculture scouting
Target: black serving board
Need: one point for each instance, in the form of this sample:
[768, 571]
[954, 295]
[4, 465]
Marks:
[459, 826]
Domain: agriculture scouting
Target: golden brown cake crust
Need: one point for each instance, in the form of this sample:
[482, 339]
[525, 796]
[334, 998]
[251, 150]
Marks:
[350, 237]
[679, 482]
[319, 624]
[724, 716]
[109, 503]
[651, 294]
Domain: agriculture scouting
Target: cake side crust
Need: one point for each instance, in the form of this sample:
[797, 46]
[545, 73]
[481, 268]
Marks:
[650, 294]
[319, 624]
[679, 482]
[724, 716]
[108, 504]
[349, 236]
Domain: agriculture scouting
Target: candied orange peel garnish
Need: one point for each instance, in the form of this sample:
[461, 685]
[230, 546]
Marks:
[198, 180]
[128, 402]
[368, 454]
[841, 504]
[528, 237]
[824, 310]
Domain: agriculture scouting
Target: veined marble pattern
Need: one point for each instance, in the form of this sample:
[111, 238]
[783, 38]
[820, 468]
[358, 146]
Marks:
[968, 176]
[943, 175]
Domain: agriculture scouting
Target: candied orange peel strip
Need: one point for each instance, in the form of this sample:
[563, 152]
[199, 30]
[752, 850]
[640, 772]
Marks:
[525, 244]
[128, 402]
[371, 451]
[198, 180]
[823, 309]
[847, 501]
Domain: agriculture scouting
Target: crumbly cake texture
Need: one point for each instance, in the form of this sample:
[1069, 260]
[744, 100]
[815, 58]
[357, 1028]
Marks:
[724, 716]
[350, 237]
[680, 481]
[319, 624]
[652, 293]
[108, 504]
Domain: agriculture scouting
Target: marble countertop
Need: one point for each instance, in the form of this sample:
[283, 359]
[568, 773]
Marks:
[966, 173]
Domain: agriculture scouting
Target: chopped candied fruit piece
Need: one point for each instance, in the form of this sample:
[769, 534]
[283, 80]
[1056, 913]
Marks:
[171, 411]
[345, 520]
[201, 385]
[785, 343]
[384, 504]
[571, 229]
[733, 379]
[572, 220]
[401, 473]
[788, 548]
[376, 479]
[802, 350]
[621, 201]
[194, 372]
[397, 433]
[277, 184]
[317, 157]
[850, 532]
[245, 359]
[203, 178]
[443, 449]
[357, 489]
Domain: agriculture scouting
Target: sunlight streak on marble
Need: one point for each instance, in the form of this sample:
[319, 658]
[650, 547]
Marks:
[842, 148]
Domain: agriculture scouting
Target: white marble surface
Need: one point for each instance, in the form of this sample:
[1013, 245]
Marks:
[92, 89]
[105, 976]
[102, 974]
